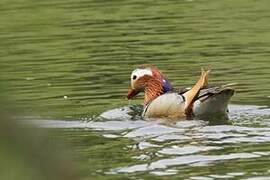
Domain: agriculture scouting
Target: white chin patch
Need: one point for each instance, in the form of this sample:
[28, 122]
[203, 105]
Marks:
[141, 72]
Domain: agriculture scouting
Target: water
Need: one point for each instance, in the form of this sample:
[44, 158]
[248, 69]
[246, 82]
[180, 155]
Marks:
[64, 63]
[187, 149]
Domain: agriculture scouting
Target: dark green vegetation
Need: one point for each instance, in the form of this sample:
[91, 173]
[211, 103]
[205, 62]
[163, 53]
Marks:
[70, 60]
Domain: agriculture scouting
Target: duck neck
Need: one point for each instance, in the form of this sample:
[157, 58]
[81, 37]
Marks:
[153, 89]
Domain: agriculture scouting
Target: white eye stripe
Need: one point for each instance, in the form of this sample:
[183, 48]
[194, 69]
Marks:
[141, 72]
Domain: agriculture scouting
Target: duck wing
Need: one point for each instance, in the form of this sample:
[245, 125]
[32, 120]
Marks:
[192, 94]
[208, 90]
[211, 101]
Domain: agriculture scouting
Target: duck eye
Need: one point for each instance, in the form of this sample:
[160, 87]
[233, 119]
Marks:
[134, 77]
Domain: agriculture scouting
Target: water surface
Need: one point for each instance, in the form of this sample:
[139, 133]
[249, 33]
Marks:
[63, 63]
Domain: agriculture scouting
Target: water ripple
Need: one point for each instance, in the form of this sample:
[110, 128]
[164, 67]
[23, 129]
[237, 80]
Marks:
[164, 148]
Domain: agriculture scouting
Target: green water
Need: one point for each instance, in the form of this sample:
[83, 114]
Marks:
[71, 60]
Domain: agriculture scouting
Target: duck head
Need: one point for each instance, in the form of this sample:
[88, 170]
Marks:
[148, 79]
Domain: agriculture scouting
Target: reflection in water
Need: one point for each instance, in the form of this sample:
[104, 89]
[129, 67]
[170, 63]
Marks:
[183, 160]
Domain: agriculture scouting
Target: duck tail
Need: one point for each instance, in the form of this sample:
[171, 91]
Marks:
[191, 95]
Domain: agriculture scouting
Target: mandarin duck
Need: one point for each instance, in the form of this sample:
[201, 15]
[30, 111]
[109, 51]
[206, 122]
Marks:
[161, 100]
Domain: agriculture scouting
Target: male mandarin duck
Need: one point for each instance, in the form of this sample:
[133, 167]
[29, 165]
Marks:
[161, 100]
